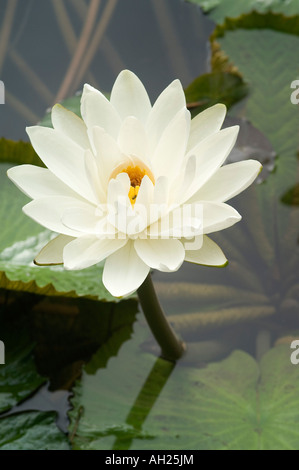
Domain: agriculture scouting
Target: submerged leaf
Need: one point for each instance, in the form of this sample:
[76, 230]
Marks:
[31, 431]
[18, 376]
[138, 402]
[291, 197]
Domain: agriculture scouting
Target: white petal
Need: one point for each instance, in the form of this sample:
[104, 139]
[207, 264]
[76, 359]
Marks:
[164, 255]
[146, 192]
[124, 271]
[160, 205]
[85, 219]
[70, 124]
[181, 184]
[96, 110]
[167, 105]
[178, 222]
[206, 123]
[108, 155]
[210, 155]
[92, 221]
[161, 190]
[132, 139]
[118, 190]
[52, 253]
[49, 211]
[142, 207]
[89, 250]
[228, 181]
[92, 173]
[218, 216]
[210, 254]
[63, 157]
[120, 211]
[129, 97]
[126, 218]
[170, 151]
[37, 182]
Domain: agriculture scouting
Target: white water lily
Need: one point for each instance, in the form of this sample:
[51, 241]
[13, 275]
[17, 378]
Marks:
[105, 171]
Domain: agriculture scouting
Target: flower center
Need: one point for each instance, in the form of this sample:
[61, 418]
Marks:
[136, 174]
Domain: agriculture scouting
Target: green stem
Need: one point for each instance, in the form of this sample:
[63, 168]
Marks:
[144, 403]
[172, 348]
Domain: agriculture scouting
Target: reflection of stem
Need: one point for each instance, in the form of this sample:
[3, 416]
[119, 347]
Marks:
[65, 24]
[5, 29]
[31, 76]
[81, 50]
[172, 348]
[173, 45]
[67, 29]
[197, 322]
[146, 399]
[21, 108]
[94, 44]
[111, 54]
[80, 7]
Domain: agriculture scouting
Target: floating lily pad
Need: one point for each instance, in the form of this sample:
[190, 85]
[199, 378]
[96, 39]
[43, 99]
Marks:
[261, 279]
[269, 70]
[218, 10]
[213, 88]
[140, 402]
[31, 431]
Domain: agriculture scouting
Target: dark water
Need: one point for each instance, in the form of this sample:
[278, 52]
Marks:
[248, 305]
[159, 41]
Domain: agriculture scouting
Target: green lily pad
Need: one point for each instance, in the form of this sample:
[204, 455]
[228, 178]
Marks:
[261, 279]
[18, 376]
[213, 88]
[140, 402]
[218, 10]
[270, 80]
[31, 431]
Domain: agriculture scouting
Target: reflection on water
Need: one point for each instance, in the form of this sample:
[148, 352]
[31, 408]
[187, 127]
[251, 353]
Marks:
[145, 400]
[39, 60]
[250, 305]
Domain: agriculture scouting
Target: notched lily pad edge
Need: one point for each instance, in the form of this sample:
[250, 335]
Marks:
[49, 290]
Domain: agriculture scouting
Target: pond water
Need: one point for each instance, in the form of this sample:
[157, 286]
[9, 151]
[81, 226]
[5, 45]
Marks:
[159, 41]
[96, 363]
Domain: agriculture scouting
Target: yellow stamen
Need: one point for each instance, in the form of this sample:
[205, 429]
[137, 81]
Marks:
[136, 175]
[133, 194]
